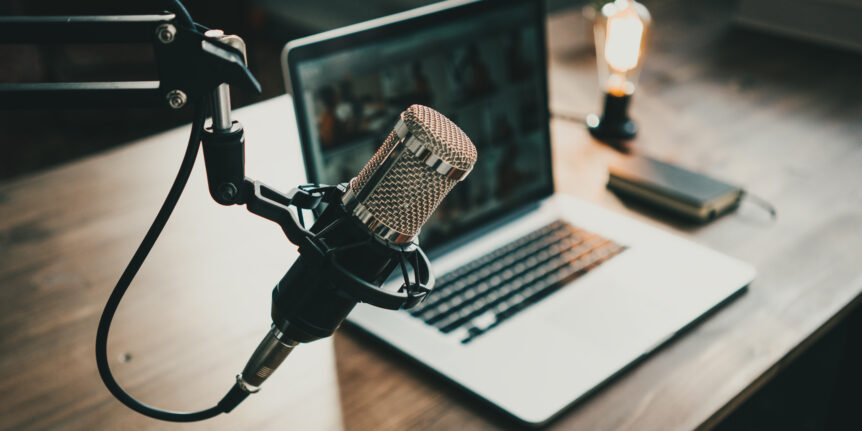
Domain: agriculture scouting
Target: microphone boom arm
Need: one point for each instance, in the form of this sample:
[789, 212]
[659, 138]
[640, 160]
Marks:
[190, 63]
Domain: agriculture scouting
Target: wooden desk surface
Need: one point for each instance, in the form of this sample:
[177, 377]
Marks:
[191, 318]
[780, 117]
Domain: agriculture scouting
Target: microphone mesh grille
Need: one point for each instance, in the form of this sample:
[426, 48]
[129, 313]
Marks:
[359, 181]
[443, 137]
[406, 196]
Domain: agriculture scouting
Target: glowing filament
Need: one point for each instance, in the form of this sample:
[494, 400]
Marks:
[622, 47]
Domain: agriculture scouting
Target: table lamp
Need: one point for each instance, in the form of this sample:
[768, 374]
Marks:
[620, 29]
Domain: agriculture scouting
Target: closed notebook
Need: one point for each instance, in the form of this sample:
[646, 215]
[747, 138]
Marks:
[672, 188]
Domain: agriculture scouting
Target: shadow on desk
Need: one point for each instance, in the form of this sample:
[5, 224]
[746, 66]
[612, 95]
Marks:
[818, 391]
[385, 370]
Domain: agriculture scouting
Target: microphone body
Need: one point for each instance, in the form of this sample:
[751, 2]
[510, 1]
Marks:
[307, 304]
[368, 229]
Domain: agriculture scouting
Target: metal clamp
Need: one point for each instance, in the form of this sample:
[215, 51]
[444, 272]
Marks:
[351, 204]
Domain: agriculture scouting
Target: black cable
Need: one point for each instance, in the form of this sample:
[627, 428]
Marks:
[236, 394]
[570, 117]
[762, 203]
[129, 274]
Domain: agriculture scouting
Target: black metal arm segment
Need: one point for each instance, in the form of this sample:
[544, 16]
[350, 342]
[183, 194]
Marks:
[190, 64]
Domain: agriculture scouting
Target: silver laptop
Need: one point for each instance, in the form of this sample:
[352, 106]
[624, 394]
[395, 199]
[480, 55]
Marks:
[540, 298]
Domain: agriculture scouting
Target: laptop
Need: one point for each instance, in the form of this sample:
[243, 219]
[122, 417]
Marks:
[540, 298]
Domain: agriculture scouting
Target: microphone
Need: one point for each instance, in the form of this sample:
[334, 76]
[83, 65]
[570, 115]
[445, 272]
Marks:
[368, 229]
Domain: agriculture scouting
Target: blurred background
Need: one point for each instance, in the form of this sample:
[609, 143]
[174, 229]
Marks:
[39, 139]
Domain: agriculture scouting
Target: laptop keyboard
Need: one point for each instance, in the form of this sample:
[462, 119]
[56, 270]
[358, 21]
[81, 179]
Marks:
[477, 296]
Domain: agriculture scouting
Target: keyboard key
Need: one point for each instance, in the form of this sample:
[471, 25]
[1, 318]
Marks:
[475, 297]
[484, 321]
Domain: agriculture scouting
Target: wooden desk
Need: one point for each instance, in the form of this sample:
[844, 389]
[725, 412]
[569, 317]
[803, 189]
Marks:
[191, 318]
[780, 117]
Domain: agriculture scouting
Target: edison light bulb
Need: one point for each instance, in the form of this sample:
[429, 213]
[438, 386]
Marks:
[622, 48]
[621, 28]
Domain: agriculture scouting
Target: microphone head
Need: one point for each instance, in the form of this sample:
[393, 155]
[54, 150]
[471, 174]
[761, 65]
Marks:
[415, 168]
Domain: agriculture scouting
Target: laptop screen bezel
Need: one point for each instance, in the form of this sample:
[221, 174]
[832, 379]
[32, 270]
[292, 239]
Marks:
[386, 28]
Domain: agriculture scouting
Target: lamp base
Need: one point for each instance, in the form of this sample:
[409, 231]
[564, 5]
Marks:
[611, 132]
[614, 126]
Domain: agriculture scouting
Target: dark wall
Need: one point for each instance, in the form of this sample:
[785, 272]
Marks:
[35, 139]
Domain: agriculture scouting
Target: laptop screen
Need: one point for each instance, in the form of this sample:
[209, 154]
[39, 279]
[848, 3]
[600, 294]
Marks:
[485, 70]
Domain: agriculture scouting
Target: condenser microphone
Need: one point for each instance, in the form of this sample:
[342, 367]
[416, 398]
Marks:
[368, 229]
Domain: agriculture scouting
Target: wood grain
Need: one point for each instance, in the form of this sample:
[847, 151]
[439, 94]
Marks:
[191, 318]
[780, 117]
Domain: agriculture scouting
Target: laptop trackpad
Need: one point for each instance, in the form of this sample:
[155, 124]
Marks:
[621, 315]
